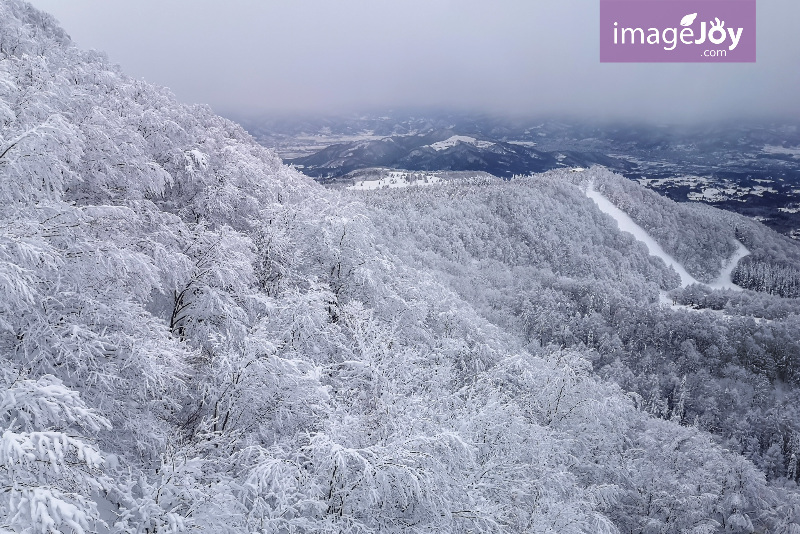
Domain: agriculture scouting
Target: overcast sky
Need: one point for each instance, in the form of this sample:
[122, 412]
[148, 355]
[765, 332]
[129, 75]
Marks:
[514, 56]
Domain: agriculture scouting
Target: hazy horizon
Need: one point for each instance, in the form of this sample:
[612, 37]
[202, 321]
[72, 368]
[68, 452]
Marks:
[506, 58]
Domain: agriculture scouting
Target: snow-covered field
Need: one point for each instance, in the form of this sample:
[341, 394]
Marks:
[794, 152]
[793, 208]
[396, 179]
[713, 194]
[290, 147]
[710, 189]
[454, 140]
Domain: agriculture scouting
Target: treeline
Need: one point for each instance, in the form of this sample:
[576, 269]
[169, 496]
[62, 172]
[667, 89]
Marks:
[759, 274]
[735, 302]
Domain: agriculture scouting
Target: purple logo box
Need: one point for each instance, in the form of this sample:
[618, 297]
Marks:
[677, 31]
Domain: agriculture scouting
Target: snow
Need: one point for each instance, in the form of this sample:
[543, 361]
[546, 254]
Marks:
[759, 190]
[108, 511]
[665, 299]
[708, 189]
[724, 280]
[626, 224]
[734, 192]
[307, 144]
[397, 179]
[454, 140]
[771, 149]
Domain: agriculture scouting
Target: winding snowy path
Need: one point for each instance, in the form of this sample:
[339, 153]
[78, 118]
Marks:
[626, 224]
[725, 280]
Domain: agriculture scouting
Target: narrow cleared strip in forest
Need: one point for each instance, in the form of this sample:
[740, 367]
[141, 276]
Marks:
[725, 279]
[626, 224]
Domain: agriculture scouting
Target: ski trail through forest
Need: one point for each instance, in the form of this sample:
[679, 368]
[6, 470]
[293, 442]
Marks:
[725, 279]
[626, 224]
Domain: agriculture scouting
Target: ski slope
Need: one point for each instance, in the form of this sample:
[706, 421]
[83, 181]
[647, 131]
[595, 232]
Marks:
[725, 279]
[626, 224]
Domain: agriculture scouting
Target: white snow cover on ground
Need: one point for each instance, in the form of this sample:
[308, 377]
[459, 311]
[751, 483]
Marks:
[396, 179]
[725, 281]
[772, 149]
[453, 141]
[626, 224]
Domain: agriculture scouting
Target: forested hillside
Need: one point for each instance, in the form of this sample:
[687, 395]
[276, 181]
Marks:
[727, 363]
[196, 338]
[699, 235]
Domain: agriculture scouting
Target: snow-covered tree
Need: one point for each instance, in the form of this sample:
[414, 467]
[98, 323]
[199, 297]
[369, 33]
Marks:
[51, 471]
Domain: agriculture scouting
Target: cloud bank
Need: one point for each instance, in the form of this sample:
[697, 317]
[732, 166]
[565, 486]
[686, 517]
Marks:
[510, 56]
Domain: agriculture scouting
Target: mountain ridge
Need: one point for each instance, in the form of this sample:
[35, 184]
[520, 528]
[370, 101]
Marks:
[748, 167]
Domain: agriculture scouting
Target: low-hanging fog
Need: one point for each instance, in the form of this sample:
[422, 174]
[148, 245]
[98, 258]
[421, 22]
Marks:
[246, 57]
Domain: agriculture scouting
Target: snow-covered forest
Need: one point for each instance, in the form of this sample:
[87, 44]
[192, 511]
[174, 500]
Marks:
[197, 338]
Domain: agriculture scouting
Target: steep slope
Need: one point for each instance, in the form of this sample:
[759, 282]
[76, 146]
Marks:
[537, 257]
[698, 236]
[194, 337]
[626, 224]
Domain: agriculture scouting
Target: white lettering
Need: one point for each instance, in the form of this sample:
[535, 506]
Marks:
[673, 41]
[702, 34]
[632, 32]
[734, 37]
